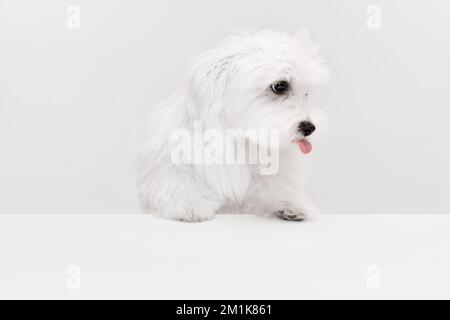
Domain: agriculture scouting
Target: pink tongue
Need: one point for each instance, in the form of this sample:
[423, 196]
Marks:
[304, 146]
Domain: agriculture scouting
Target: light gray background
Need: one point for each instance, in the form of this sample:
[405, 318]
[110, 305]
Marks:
[69, 100]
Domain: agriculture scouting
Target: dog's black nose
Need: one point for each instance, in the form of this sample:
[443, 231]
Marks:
[306, 128]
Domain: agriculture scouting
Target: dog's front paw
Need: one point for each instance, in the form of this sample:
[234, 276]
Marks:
[196, 216]
[291, 215]
[190, 211]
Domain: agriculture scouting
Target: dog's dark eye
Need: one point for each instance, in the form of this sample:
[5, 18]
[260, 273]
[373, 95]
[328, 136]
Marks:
[280, 87]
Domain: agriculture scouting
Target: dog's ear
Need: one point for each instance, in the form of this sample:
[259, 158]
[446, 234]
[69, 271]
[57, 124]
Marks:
[207, 82]
[310, 54]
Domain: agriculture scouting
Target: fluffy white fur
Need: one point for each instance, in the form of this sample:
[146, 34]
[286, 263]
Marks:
[230, 87]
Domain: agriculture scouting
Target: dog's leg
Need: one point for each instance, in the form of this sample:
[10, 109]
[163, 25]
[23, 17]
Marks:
[293, 204]
[284, 195]
[179, 196]
[298, 208]
[278, 197]
[288, 187]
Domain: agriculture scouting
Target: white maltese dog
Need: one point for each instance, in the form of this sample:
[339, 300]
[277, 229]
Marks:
[235, 138]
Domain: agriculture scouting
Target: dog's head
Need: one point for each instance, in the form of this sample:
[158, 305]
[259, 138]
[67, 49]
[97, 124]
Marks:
[259, 80]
